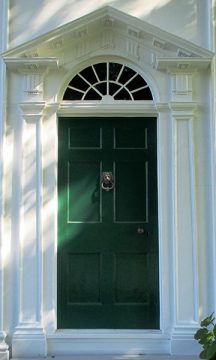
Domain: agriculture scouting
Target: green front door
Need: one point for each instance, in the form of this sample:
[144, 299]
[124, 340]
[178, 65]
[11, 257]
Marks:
[107, 240]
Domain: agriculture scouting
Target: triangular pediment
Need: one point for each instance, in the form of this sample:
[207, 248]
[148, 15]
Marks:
[109, 28]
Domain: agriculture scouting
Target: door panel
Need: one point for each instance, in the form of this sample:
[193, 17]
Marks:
[131, 206]
[83, 198]
[107, 241]
[83, 286]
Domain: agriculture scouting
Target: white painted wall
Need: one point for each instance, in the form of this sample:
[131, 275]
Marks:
[185, 18]
[190, 20]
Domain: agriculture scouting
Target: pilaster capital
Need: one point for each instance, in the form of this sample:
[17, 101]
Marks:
[182, 70]
[33, 71]
[183, 110]
[32, 112]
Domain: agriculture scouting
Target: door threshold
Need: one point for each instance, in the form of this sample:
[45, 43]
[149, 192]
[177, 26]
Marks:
[125, 357]
[117, 357]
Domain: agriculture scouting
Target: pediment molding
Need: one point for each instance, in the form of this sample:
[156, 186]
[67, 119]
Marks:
[119, 33]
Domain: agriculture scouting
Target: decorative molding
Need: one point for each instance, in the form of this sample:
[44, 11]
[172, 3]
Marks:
[33, 53]
[33, 71]
[51, 108]
[162, 107]
[183, 108]
[132, 48]
[111, 18]
[33, 84]
[82, 33]
[108, 21]
[181, 87]
[32, 108]
[183, 53]
[33, 64]
[107, 39]
[55, 44]
[82, 37]
[182, 64]
[82, 45]
[133, 32]
[159, 43]
[144, 107]
[133, 42]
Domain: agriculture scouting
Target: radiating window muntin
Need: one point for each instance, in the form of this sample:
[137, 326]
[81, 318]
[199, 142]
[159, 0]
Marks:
[107, 79]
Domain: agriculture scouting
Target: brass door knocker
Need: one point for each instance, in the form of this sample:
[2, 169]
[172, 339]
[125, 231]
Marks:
[107, 181]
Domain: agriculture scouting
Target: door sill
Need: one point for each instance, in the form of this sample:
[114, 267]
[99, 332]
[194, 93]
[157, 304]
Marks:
[108, 342]
[125, 357]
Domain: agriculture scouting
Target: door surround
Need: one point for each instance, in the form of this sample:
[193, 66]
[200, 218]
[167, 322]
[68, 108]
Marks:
[38, 107]
[174, 121]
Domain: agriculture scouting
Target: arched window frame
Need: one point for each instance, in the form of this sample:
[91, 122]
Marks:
[109, 80]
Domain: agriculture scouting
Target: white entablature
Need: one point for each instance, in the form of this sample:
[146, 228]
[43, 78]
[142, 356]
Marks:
[110, 30]
[68, 49]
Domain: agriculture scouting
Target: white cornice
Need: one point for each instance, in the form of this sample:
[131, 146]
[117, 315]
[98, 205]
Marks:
[106, 18]
[182, 64]
[34, 64]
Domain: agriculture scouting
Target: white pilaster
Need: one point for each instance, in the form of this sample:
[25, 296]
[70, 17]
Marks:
[165, 212]
[50, 159]
[185, 264]
[29, 338]
[4, 353]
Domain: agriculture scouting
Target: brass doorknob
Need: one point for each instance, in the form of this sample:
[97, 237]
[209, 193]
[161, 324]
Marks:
[141, 231]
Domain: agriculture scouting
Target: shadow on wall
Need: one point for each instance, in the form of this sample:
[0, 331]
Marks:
[187, 18]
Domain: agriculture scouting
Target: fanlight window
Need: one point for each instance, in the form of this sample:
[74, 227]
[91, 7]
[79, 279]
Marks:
[107, 80]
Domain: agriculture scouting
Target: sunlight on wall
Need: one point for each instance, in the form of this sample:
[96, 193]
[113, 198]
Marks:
[8, 161]
[140, 8]
[186, 18]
